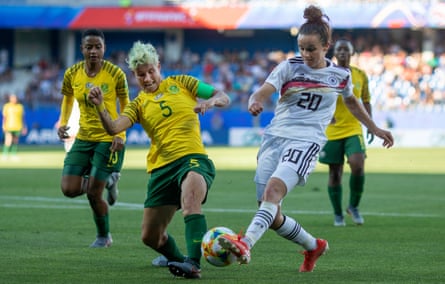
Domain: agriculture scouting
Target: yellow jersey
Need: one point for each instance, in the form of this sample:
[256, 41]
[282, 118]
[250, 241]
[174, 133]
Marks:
[113, 83]
[13, 117]
[344, 123]
[168, 118]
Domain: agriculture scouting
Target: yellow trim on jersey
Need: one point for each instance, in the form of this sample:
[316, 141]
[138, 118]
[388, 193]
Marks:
[345, 124]
[168, 118]
[113, 83]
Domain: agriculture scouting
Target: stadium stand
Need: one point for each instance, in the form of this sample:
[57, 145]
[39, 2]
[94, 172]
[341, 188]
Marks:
[406, 65]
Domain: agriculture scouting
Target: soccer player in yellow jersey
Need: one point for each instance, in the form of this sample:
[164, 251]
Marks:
[180, 171]
[13, 126]
[95, 155]
[345, 138]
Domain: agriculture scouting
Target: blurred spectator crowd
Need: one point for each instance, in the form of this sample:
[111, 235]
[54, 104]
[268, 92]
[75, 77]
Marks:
[399, 79]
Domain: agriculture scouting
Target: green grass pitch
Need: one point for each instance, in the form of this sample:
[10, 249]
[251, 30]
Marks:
[44, 236]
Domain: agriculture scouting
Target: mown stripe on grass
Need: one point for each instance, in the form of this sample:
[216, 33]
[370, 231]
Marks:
[43, 203]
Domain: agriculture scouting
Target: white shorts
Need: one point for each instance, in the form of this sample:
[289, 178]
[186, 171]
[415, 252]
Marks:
[291, 161]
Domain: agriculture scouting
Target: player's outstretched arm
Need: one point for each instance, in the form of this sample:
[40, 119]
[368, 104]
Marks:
[360, 113]
[218, 99]
[257, 99]
[112, 127]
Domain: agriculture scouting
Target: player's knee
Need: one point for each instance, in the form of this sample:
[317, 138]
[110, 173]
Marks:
[276, 189]
[357, 168]
[192, 199]
[153, 239]
[70, 191]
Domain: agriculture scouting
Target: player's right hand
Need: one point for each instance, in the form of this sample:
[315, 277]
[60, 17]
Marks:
[62, 132]
[255, 108]
[95, 95]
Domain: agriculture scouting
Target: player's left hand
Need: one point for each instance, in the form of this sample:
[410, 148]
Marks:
[386, 136]
[202, 107]
[117, 144]
[370, 137]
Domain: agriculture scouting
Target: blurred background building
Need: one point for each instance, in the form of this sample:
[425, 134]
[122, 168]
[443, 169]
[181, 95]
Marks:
[233, 44]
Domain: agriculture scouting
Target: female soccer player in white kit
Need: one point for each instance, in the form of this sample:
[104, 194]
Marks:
[308, 87]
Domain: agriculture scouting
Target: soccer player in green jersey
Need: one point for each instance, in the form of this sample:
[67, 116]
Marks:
[95, 156]
[345, 138]
[180, 171]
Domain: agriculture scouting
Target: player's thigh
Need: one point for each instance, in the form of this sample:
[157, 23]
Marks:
[296, 162]
[195, 175]
[268, 158]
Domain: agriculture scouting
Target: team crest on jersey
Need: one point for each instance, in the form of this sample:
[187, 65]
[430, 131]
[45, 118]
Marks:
[332, 80]
[105, 88]
[173, 89]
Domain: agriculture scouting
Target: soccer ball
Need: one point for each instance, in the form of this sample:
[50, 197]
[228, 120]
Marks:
[212, 251]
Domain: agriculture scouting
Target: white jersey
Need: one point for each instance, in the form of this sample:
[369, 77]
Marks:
[307, 99]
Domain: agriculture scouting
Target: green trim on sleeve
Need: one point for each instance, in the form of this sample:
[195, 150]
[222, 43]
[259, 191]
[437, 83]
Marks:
[205, 91]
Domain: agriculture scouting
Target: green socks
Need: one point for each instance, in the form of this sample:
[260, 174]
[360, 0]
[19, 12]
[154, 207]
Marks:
[335, 195]
[170, 250]
[356, 183]
[195, 228]
[102, 225]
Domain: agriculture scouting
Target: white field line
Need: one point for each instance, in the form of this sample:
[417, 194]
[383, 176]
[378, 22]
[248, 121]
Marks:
[67, 203]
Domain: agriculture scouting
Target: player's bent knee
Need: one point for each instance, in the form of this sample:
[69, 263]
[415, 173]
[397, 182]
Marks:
[152, 240]
[71, 192]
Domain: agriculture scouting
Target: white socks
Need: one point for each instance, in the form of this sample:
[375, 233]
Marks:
[260, 222]
[292, 230]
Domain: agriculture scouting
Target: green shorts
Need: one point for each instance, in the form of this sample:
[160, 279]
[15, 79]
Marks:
[93, 159]
[164, 185]
[14, 133]
[334, 151]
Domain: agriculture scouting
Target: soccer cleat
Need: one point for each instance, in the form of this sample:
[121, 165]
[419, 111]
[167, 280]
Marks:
[187, 269]
[237, 246]
[160, 261]
[356, 217]
[112, 188]
[102, 242]
[311, 256]
[339, 221]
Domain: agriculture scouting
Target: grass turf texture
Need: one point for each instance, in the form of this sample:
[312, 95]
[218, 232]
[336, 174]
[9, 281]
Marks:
[44, 237]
